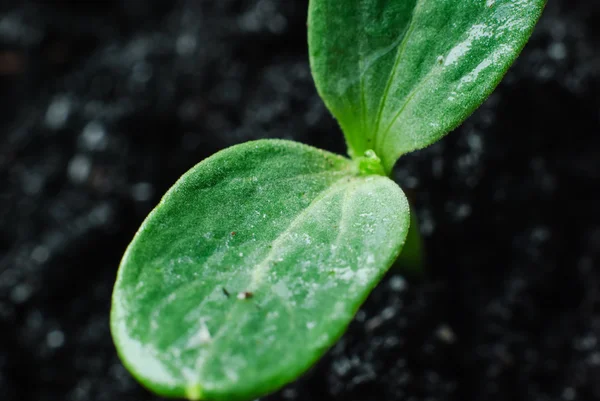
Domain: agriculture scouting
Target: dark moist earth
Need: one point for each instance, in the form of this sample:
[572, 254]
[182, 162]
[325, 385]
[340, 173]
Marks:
[104, 105]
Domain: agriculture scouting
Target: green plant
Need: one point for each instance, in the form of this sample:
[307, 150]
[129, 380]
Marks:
[256, 260]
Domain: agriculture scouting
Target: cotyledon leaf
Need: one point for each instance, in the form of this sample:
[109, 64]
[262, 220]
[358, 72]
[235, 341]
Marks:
[251, 266]
[400, 74]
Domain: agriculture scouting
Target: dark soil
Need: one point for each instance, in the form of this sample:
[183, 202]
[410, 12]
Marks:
[104, 104]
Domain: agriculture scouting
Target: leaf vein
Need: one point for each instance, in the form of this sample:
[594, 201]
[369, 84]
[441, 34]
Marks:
[410, 96]
[263, 266]
[399, 56]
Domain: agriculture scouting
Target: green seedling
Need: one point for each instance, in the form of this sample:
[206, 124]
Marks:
[254, 263]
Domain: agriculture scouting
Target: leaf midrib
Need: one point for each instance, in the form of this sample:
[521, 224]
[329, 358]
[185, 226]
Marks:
[264, 265]
[392, 74]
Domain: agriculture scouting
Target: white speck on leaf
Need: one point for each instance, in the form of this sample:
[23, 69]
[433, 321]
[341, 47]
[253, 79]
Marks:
[244, 295]
[231, 374]
[201, 337]
[282, 290]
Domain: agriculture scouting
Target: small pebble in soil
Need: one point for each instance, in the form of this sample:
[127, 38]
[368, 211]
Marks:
[55, 339]
[58, 112]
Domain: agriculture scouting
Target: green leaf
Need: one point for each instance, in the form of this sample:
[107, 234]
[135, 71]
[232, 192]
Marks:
[251, 266]
[400, 74]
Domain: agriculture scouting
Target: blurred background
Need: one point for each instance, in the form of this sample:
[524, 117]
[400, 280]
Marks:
[103, 105]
